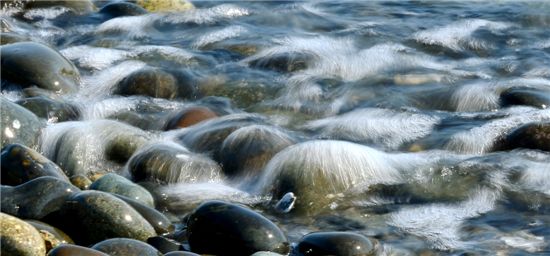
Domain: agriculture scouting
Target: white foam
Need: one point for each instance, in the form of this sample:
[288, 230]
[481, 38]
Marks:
[476, 97]
[168, 52]
[458, 34]
[481, 139]
[525, 241]
[219, 35]
[134, 26]
[385, 127]
[440, 224]
[96, 58]
[45, 13]
[208, 15]
[101, 83]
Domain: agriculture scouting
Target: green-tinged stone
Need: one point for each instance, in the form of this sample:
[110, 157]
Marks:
[166, 5]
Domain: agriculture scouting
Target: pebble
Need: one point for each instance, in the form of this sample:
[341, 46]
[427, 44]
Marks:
[74, 250]
[335, 243]
[19, 238]
[125, 247]
[116, 184]
[18, 125]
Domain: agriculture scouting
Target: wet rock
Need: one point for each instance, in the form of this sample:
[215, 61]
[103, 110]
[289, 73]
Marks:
[283, 62]
[125, 246]
[80, 6]
[221, 228]
[525, 96]
[18, 124]
[93, 216]
[166, 5]
[10, 38]
[531, 135]
[116, 184]
[180, 253]
[171, 163]
[21, 164]
[207, 137]
[19, 238]
[160, 223]
[80, 181]
[47, 68]
[164, 244]
[189, 116]
[119, 9]
[74, 250]
[335, 243]
[247, 150]
[266, 254]
[52, 110]
[36, 198]
[157, 83]
[51, 235]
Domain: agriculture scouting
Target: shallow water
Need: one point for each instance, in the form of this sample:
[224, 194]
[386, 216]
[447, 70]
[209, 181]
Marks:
[415, 85]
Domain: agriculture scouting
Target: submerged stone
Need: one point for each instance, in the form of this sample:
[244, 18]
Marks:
[74, 250]
[335, 243]
[18, 124]
[52, 110]
[36, 198]
[119, 9]
[525, 96]
[283, 62]
[125, 247]
[157, 83]
[189, 116]
[116, 184]
[531, 135]
[220, 228]
[19, 238]
[47, 68]
[171, 163]
[93, 216]
[21, 164]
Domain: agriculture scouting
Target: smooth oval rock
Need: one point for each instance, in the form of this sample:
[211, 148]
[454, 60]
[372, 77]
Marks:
[160, 223]
[21, 164]
[246, 151]
[19, 238]
[51, 235]
[166, 5]
[47, 68]
[18, 124]
[525, 96]
[93, 216]
[155, 82]
[125, 247]
[119, 9]
[164, 244]
[36, 198]
[171, 163]
[189, 116]
[220, 228]
[74, 250]
[531, 135]
[335, 243]
[49, 109]
[116, 184]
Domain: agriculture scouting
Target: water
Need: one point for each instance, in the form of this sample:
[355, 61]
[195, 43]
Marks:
[415, 86]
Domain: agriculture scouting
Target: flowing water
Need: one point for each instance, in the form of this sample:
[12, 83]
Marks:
[398, 101]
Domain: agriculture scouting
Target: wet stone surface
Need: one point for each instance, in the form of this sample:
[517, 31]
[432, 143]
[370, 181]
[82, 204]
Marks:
[20, 238]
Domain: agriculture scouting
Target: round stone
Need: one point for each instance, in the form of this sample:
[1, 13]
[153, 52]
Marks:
[80, 181]
[531, 135]
[19, 238]
[37, 198]
[18, 125]
[189, 116]
[160, 223]
[525, 96]
[116, 184]
[51, 235]
[166, 5]
[155, 82]
[119, 9]
[47, 68]
[21, 164]
[216, 227]
[74, 250]
[125, 247]
[93, 216]
[52, 110]
[335, 243]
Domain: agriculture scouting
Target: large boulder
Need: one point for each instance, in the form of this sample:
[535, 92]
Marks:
[33, 64]
[220, 228]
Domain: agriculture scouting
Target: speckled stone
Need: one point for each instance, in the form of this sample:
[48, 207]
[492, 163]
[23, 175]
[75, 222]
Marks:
[51, 235]
[81, 181]
[18, 124]
[74, 250]
[93, 216]
[46, 69]
[125, 247]
[37, 198]
[221, 228]
[531, 135]
[21, 164]
[20, 238]
[116, 184]
[335, 243]
[166, 5]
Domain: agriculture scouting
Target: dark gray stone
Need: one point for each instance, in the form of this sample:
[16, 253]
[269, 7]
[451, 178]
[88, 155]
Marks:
[116, 184]
[160, 223]
[335, 243]
[531, 135]
[18, 124]
[52, 110]
[125, 247]
[119, 9]
[74, 250]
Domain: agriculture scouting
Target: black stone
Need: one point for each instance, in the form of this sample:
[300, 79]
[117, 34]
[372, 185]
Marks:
[164, 245]
[525, 96]
[221, 228]
[531, 135]
[335, 243]
[119, 9]
[21, 164]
